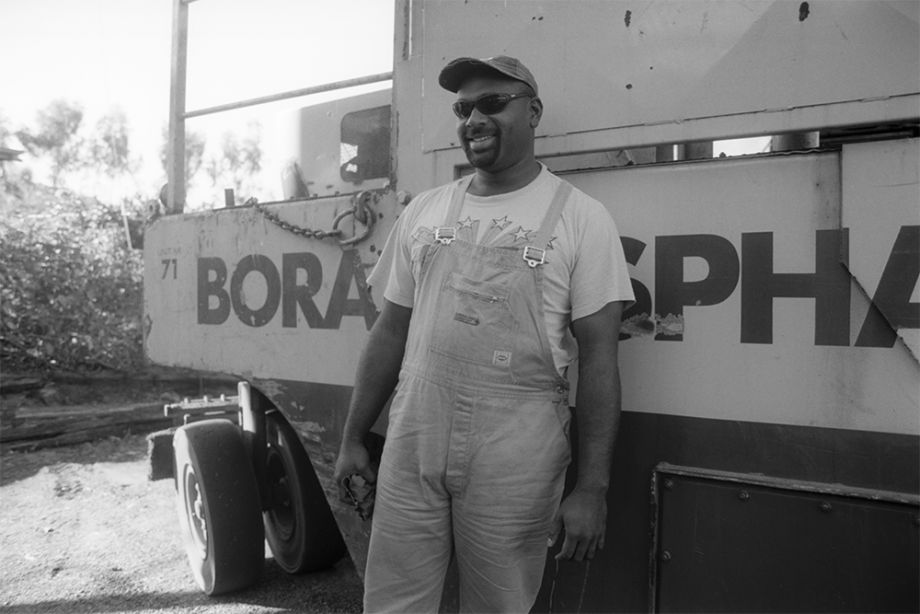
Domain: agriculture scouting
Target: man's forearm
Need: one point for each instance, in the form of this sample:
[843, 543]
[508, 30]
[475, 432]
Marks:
[597, 406]
[583, 513]
[378, 371]
[597, 401]
[375, 380]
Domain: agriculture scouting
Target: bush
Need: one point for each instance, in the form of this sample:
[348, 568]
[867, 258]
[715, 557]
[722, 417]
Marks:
[70, 286]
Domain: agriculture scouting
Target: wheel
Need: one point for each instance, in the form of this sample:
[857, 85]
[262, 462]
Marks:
[219, 506]
[299, 525]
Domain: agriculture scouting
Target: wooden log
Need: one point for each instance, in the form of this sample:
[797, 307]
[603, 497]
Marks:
[13, 385]
[44, 431]
[85, 435]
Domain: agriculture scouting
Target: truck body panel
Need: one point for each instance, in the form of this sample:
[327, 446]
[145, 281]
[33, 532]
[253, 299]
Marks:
[626, 74]
[233, 279]
[302, 306]
[339, 130]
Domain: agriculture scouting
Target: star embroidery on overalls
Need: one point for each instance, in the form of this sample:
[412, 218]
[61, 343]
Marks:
[468, 229]
[520, 235]
[501, 223]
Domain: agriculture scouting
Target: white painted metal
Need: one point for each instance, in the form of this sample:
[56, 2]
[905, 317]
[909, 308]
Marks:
[313, 139]
[173, 247]
[175, 151]
[711, 373]
[298, 93]
[881, 183]
[615, 74]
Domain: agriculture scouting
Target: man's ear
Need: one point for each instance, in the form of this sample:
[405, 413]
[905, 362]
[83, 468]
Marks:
[536, 111]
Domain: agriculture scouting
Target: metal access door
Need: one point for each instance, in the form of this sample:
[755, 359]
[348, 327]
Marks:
[740, 543]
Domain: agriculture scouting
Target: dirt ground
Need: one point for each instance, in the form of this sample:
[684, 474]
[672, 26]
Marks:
[83, 530]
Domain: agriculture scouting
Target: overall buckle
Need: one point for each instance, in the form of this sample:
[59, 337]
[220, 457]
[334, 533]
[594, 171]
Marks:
[445, 234]
[534, 256]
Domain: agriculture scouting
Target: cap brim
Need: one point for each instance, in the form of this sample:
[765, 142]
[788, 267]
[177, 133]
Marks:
[454, 74]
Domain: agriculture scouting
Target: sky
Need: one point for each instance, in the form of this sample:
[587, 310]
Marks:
[115, 54]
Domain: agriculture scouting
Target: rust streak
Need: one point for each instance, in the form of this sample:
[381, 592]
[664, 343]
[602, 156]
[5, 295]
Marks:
[804, 11]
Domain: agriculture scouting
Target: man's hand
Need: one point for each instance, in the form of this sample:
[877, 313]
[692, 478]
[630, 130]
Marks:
[353, 460]
[583, 514]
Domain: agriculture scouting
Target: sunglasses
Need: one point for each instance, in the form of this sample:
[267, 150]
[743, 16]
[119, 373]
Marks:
[490, 104]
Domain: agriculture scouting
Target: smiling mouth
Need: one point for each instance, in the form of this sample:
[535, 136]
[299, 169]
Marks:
[482, 142]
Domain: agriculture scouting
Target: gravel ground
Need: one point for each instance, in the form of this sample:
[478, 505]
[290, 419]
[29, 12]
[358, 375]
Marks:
[83, 530]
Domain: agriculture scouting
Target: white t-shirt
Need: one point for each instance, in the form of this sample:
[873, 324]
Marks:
[585, 267]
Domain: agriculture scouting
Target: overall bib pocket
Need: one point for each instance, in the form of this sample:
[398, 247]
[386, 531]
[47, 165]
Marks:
[475, 323]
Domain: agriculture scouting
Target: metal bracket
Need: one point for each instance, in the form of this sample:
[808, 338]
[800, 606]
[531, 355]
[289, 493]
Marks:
[192, 410]
[534, 256]
[445, 234]
[253, 406]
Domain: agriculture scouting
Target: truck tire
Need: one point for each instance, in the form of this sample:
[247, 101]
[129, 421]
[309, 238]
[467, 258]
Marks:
[219, 507]
[299, 525]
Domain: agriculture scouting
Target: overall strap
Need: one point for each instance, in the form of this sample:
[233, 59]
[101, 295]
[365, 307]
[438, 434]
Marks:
[553, 214]
[456, 199]
[447, 233]
[535, 253]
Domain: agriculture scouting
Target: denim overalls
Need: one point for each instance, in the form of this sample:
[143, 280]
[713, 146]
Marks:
[477, 444]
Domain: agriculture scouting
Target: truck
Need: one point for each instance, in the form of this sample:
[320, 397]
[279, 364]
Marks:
[768, 457]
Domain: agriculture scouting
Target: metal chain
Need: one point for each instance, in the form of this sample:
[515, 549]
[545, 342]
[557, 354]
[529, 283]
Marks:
[309, 233]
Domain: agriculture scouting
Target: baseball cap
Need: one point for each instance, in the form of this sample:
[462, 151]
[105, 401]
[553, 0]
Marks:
[456, 72]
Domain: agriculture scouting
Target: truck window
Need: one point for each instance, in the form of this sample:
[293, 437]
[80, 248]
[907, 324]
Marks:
[365, 144]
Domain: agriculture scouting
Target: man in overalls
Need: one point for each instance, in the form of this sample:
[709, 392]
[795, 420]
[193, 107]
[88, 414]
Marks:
[489, 282]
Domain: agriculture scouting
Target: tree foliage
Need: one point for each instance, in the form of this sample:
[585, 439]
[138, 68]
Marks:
[56, 137]
[194, 153]
[5, 131]
[237, 161]
[70, 287]
[70, 284]
[233, 163]
[110, 147]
